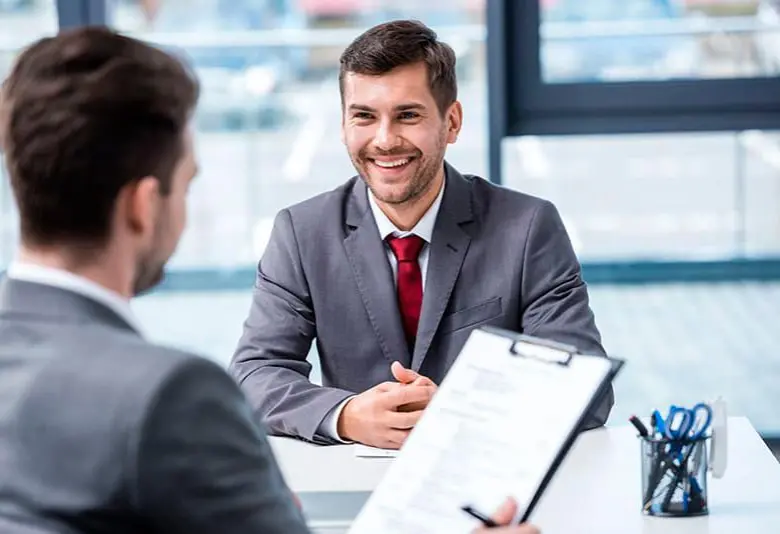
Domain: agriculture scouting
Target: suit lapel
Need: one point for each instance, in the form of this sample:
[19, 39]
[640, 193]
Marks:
[449, 245]
[374, 276]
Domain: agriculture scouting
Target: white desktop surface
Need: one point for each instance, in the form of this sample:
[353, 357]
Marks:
[597, 489]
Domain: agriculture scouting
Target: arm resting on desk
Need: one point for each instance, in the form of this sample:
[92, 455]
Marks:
[270, 361]
[556, 302]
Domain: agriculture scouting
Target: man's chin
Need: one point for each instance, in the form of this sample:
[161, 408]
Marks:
[145, 284]
[389, 193]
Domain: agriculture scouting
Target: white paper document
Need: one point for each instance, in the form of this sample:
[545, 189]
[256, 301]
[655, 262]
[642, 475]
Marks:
[364, 451]
[493, 430]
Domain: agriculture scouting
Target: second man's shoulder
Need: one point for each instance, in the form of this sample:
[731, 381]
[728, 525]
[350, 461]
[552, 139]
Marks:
[495, 204]
[487, 192]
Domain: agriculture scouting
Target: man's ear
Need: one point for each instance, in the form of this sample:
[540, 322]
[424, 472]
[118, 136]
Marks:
[141, 201]
[454, 121]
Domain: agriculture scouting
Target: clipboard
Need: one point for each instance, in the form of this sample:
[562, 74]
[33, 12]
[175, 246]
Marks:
[564, 358]
[423, 493]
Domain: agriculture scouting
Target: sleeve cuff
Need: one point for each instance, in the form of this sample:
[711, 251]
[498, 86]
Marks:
[329, 425]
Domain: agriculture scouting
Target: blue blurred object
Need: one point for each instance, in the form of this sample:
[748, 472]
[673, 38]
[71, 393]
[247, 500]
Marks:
[595, 58]
[15, 5]
[241, 82]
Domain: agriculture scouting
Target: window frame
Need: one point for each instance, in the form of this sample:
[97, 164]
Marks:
[522, 103]
[74, 13]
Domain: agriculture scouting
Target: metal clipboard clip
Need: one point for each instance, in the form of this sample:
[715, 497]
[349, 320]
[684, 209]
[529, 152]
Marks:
[542, 350]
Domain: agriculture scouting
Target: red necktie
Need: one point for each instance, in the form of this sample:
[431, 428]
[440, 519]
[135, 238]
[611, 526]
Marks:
[410, 291]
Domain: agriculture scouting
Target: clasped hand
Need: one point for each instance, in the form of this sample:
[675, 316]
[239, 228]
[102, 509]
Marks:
[384, 415]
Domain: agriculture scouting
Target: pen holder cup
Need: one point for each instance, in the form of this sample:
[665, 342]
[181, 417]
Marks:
[674, 477]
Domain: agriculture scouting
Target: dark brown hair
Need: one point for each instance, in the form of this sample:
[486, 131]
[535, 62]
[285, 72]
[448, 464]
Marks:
[88, 112]
[398, 43]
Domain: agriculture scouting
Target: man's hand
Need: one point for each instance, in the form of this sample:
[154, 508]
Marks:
[503, 517]
[409, 377]
[374, 417]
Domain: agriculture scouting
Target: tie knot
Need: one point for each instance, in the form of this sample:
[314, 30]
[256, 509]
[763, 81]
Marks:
[406, 248]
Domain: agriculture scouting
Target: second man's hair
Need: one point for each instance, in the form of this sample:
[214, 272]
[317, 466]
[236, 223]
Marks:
[399, 43]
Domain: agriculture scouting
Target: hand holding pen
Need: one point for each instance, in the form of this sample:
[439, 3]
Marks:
[499, 523]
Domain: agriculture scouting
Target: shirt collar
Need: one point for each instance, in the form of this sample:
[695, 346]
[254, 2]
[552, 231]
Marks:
[423, 228]
[50, 276]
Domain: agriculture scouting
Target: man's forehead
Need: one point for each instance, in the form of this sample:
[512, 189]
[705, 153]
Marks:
[390, 88]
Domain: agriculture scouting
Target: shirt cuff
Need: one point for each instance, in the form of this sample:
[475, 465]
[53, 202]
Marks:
[330, 425]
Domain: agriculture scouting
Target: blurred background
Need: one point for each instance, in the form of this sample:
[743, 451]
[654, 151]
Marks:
[678, 231]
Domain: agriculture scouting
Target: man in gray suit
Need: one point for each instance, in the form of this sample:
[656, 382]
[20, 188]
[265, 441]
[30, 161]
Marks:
[391, 271]
[100, 430]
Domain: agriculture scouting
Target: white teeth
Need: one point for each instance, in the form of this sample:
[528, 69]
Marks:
[391, 164]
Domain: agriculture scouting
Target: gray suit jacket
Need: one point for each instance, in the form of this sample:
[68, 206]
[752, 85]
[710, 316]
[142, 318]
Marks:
[102, 432]
[498, 257]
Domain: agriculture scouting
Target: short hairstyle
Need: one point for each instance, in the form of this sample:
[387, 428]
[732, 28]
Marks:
[398, 43]
[86, 113]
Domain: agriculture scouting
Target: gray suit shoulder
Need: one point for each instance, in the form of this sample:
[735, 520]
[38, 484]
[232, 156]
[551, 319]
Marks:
[320, 217]
[488, 193]
[332, 201]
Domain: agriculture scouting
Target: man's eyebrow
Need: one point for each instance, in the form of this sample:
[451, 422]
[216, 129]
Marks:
[409, 106]
[361, 107]
[400, 107]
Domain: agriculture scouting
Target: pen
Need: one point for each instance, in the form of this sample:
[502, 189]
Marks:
[640, 427]
[486, 521]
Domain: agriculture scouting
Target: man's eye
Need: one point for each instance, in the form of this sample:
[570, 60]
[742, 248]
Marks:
[408, 115]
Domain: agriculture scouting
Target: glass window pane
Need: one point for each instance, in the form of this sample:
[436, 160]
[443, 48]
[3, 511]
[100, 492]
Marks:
[686, 196]
[634, 40]
[269, 118]
[21, 23]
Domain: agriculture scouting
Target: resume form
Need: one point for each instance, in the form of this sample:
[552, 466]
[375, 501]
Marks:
[492, 431]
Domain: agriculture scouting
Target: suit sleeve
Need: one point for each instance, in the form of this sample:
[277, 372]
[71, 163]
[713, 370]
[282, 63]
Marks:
[270, 360]
[203, 466]
[555, 298]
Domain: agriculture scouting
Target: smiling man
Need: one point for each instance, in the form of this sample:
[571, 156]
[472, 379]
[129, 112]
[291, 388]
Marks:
[391, 271]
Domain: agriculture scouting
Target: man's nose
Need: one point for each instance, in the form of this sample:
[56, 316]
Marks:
[386, 137]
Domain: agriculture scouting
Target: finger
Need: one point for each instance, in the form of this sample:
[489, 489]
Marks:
[423, 381]
[395, 438]
[407, 395]
[403, 420]
[384, 387]
[506, 512]
[402, 374]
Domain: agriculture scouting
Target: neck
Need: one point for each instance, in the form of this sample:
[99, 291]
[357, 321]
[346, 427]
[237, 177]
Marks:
[406, 215]
[96, 265]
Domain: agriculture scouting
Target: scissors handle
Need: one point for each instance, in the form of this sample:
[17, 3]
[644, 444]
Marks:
[701, 418]
[678, 422]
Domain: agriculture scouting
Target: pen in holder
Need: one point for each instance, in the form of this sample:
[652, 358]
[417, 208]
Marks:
[674, 476]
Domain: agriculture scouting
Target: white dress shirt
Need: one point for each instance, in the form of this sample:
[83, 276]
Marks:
[49, 276]
[424, 230]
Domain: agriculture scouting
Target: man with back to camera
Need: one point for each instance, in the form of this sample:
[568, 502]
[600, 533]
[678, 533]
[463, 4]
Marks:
[100, 430]
[391, 271]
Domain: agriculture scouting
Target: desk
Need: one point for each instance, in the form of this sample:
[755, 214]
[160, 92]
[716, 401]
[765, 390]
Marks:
[596, 491]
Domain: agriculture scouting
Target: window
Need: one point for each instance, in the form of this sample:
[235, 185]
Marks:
[653, 126]
[21, 22]
[633, 40]
[563, 67]
[649, 197]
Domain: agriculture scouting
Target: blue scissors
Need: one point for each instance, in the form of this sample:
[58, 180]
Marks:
[684, 424]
